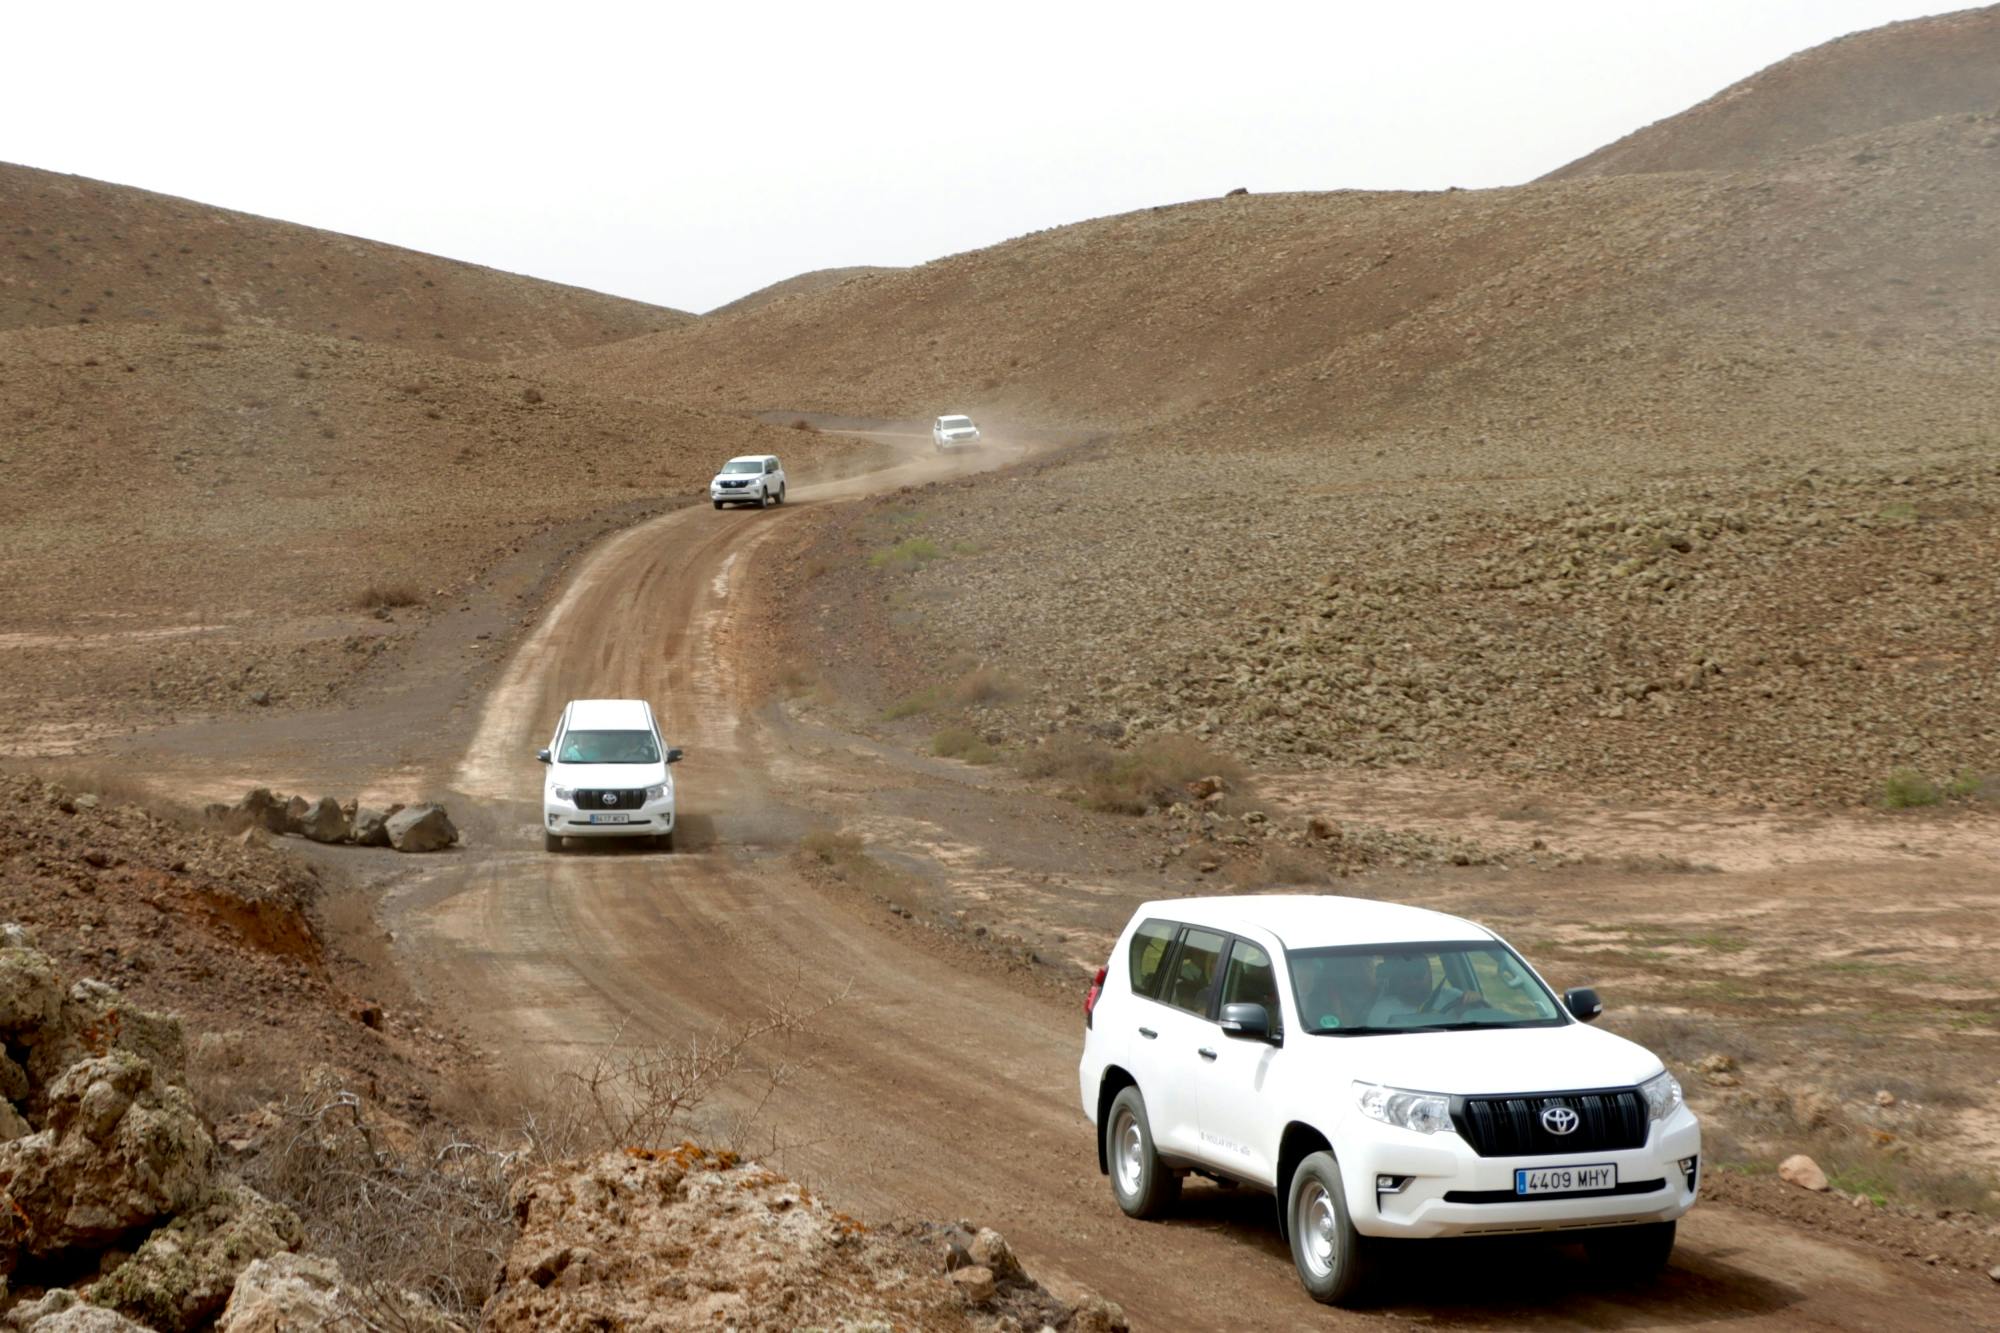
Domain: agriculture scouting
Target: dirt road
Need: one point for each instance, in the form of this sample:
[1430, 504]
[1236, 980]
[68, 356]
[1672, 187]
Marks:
[938, 1085]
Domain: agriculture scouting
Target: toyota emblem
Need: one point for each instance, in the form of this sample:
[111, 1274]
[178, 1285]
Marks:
[611, 798]
[1559, 1120]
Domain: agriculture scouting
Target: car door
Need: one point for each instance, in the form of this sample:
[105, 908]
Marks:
[1183, 1030]
[1235, 1107]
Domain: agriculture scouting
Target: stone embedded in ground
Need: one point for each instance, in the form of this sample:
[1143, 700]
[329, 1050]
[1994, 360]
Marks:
[1804, 1172]
[421, 828]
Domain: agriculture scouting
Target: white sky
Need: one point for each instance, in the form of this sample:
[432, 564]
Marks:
[688, 154]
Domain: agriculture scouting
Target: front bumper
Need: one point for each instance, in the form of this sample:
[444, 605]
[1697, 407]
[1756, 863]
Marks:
[1446, 1189]
[739, 494]
[649, 820]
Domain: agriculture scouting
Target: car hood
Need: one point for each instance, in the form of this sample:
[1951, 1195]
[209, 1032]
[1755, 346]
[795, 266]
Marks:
[1496, 1060]
[623, 777]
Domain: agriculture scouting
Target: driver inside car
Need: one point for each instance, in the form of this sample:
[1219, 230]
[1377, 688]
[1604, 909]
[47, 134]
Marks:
[1405, 992]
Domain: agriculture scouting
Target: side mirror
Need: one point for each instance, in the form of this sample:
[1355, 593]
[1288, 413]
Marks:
[675, 755]
[1583, 1003]
[543, 755]
[1249, 1022]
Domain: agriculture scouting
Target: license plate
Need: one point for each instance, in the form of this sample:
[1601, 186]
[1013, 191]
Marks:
[1566, 1179]
[611, 819]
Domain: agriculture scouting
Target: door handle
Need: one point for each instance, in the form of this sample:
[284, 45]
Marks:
[1205, 1053]
[1148, 1033]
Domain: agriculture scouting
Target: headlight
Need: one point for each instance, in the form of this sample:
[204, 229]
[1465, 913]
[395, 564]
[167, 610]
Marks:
[1423, 1112]
[562, 793]
[1662, 1093]
[658, 793]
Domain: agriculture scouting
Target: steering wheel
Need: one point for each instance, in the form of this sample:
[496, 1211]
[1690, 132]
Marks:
[1430, 1004]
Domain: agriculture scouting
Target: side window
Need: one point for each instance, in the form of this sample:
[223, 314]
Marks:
[771, 466]
[1250, 979]
[1151, 944]
[1192, 984]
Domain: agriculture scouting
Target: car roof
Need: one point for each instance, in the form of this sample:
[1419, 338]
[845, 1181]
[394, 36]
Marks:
[610, 714]
[1317, 920]
[753, 458]
[954, 416]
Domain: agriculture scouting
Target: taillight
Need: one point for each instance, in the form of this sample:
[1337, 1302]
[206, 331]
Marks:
[1096, 989]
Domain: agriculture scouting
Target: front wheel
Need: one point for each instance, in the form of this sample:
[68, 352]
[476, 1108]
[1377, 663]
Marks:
[552, 842]
[764, 499]
[1142, 1184]
[718, 504]
[1331, 1256]
[1631, 1254]
[663, 842]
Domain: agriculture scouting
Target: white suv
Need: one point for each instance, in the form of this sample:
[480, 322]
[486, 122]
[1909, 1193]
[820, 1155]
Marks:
[754, 479]
[608, 775]
[1384, 1071]
[949, 432]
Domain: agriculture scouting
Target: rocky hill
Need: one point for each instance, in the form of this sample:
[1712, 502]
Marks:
[78, 251]
[1926, 67]
[799, 285]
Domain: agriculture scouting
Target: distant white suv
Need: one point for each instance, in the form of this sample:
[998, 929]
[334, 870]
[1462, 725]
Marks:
[608, 775]
[1384, 1071]
[755, 479]
[950, 432]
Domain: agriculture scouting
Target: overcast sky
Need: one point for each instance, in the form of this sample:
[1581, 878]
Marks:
[688, 154]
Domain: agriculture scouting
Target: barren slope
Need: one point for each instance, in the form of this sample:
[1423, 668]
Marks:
[192, 520]
[80, 251]
[1862, 82]
[800, 284]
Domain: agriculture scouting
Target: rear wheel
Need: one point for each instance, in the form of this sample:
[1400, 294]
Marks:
[1631, 1254]
[1331, 1256]
[1142, 1184]
[552, 842]
[781, 493]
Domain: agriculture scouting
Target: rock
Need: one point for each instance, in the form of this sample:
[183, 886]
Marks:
[30, 993]
[990, 1250]
[183, 1274]
[95, 1018]
[323, 821]
[14, 935]
[371, 828]
[295, 810]
[421, 828]
[1804, 1172]
[259, 808]
[1203, 788]
[262, 698]
[1094, 1314]
[1715, 1064]
[13, 1125]
[1321, 829]
[1884, 1097]
[120, 1149]
[286, 1292]
[63, 1311]
[1994, 1272]
[975, 1284]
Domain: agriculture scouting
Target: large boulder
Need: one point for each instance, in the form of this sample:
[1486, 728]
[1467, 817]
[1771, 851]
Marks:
[93, 1019]
[31, 995]
[259, 808]
[182, 1275]
[295, 810]
[323, 821]
[371, 828]
[421, 828]
[119, 1149]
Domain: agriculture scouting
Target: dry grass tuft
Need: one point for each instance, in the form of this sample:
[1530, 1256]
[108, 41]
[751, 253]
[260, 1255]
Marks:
[1156, 772]
[377, 595]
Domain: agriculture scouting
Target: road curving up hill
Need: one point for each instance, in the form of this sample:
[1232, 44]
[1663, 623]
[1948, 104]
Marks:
[78, 251]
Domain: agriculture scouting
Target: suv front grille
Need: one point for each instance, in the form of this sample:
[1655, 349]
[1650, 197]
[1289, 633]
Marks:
[1512, 1126]
[594, 799]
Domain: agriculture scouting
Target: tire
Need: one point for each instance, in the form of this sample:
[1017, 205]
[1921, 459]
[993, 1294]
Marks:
[551, 842]
[781, 493]
[1332, 1258]
[718, 504]
[663, 842]
[1142, 1184]
[1631, 1254]
[764, 500]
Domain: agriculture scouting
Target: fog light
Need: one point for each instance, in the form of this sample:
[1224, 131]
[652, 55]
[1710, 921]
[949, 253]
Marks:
[1391, 1184]
[1690, 1167]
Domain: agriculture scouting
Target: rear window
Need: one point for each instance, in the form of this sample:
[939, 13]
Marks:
[1192, 983]
[1151, 944]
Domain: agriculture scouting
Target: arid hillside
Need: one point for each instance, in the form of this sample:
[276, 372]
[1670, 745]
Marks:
[79, 251]
[197, 522]
[817, 280]
[1868, 81]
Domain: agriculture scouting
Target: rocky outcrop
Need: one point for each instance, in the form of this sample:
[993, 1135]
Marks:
[63, 1311]
[421, 828]
[691, 1239]
[290, 1292]
[184, 1272]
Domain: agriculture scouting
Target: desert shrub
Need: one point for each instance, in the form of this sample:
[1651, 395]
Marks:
[963, 743]
[388, 594]
[531, 395]
[1155, 772]
[830, 846]
[800, 423]
[976, 686]
[1282, 864]
[907, 554]
[1907, 789]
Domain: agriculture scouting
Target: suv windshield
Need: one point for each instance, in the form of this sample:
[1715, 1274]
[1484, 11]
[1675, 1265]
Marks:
[1448, 987]
[955, 423]
[609, 747]
[751, 466]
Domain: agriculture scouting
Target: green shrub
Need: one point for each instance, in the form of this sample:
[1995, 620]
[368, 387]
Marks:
[963, 743]
[1906, 789]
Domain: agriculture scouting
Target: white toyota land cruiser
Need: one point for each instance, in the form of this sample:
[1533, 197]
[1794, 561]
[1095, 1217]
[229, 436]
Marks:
[1385, 1071]
[952, 432]
[608, 775]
